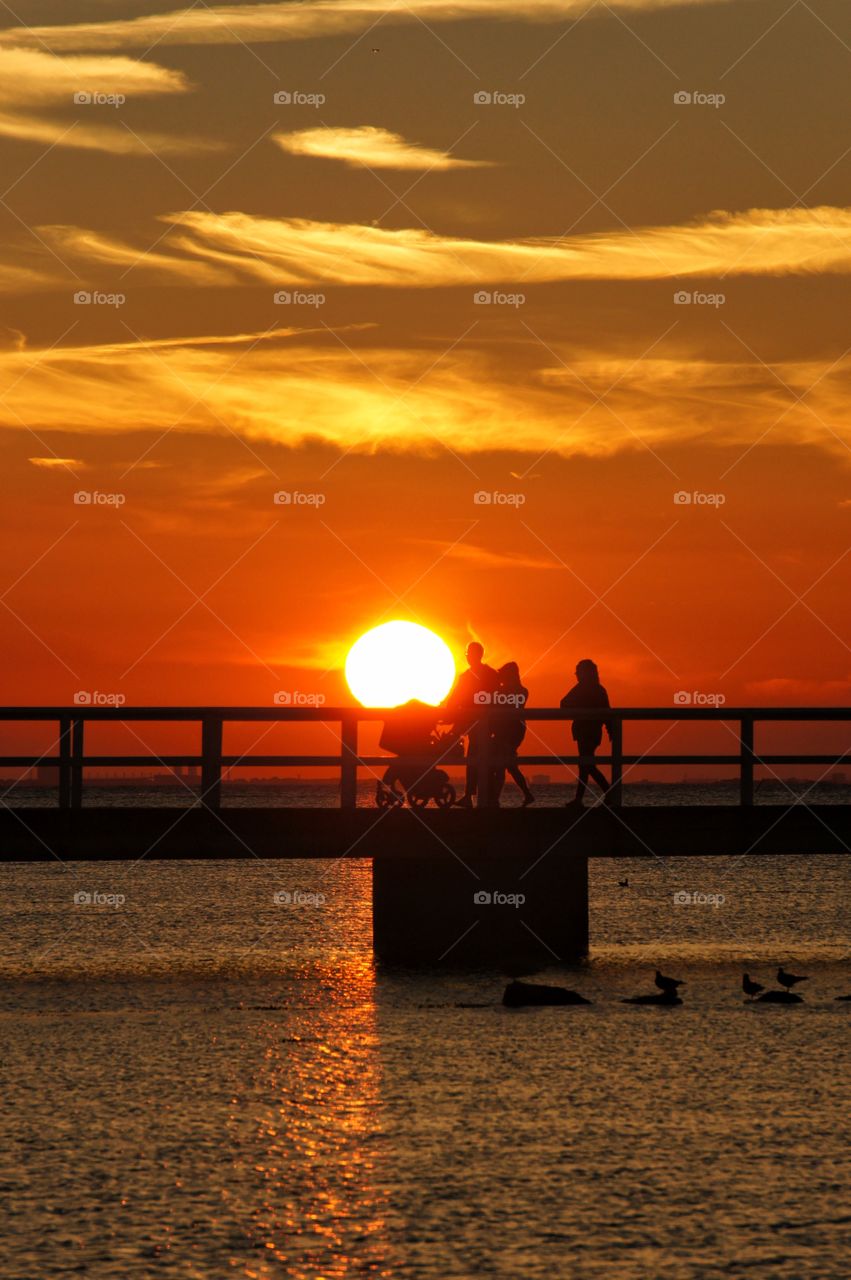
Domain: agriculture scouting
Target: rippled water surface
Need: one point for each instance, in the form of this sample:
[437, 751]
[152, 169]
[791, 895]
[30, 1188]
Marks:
[202, 1082]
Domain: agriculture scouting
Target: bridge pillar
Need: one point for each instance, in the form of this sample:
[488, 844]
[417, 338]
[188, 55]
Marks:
[503, 910]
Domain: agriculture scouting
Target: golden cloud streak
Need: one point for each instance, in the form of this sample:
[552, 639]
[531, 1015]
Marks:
[300, 251]
[255, 23]
[283, 387]
[369, 147]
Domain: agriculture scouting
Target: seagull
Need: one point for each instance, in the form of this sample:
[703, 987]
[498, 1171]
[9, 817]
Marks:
[668, 985]
[750, 987]
[789, 980]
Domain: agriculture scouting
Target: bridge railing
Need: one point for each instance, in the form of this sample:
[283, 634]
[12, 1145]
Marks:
[70, 759]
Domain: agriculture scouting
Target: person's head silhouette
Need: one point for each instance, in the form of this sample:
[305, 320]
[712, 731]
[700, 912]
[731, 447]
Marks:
[474, 654]
[586, 672]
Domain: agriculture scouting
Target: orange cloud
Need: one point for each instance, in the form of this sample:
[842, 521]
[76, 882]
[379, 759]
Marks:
[369, 147]
[254, 23]
[91, 87]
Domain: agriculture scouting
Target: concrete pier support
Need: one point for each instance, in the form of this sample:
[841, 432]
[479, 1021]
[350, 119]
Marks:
[504, 910]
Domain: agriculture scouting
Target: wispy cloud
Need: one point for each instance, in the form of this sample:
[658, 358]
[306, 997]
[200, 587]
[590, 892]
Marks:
[294, 387]
[32, 80]
[369, 147]
[255, 23]
[300, 251]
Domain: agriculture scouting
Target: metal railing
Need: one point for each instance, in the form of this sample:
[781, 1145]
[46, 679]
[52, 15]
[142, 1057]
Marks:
[71, 759]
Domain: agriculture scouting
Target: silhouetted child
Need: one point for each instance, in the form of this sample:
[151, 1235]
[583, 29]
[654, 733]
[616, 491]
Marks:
[510, 731]
[587, 694]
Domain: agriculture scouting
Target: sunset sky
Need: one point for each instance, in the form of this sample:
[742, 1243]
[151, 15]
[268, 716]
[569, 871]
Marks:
[299, 280]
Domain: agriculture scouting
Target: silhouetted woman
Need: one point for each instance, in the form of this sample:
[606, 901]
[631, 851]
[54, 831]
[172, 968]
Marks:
[511, 731]
[586, 694]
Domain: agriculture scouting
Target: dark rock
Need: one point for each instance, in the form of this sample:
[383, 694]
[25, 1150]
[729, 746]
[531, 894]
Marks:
[524, 993]
[779, 997]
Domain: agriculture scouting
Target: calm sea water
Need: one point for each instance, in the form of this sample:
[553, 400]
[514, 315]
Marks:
[199, 1081]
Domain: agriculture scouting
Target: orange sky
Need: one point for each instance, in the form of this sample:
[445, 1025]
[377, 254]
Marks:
[583, 396]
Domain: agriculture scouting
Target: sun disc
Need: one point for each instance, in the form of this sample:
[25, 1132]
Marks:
[398, 661]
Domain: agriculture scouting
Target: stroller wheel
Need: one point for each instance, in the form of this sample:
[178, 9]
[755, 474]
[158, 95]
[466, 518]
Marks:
[416, 800]
[386, 797]
[445, 796]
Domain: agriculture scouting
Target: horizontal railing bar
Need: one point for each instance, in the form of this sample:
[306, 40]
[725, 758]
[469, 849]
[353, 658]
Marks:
[325, 713]
[367, 762]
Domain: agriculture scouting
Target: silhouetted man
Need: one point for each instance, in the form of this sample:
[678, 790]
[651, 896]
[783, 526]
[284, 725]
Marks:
[473, 691]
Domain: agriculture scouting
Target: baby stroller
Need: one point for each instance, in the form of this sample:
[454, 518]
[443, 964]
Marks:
[412, 731]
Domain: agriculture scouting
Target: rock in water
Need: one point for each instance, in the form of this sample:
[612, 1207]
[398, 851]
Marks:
[664, 998]
[779, 997]
[523, 993]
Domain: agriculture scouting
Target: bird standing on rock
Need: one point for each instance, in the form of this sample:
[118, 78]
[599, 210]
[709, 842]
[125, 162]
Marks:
[789, 980]
[750, 987]
[668, 985]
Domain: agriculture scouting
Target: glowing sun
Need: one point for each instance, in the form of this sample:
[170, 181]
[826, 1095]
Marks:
[398, 661]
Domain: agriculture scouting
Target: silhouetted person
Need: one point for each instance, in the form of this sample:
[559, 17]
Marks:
[472, 693]
[587, 693]
[509, 732]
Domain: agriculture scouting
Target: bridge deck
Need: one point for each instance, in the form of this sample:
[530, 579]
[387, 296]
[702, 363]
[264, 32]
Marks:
[98, 834]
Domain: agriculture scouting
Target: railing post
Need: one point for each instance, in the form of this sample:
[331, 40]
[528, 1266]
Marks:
[747, 758]
[76, 780]
[211, 761]
[616, 789]
[484, 763]
[348, 762]
[64, 764]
